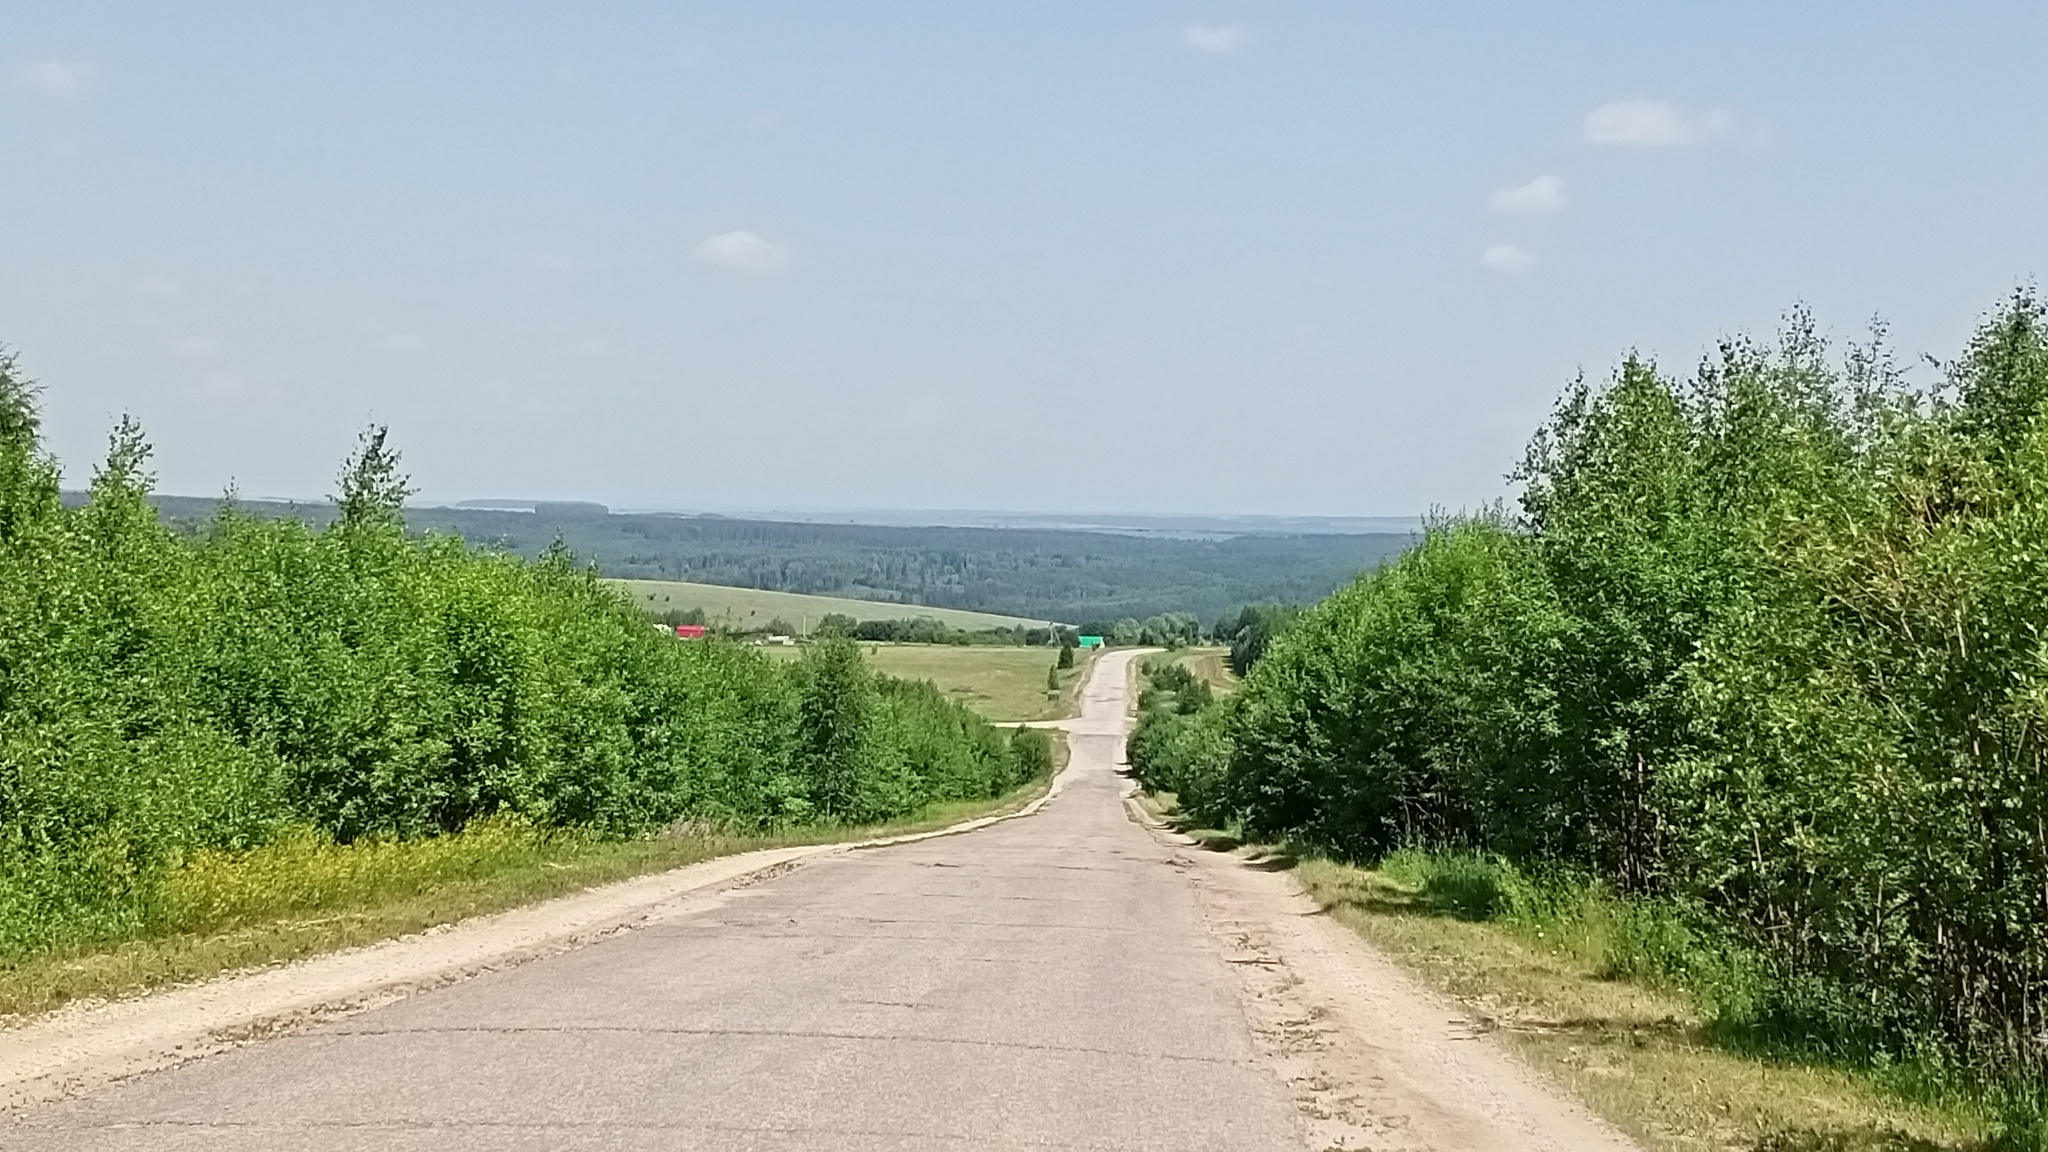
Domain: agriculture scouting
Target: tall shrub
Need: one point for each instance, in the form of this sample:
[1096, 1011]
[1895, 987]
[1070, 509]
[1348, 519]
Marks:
[1766, 644]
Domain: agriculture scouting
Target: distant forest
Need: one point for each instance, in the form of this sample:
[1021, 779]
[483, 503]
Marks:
[1044, 574]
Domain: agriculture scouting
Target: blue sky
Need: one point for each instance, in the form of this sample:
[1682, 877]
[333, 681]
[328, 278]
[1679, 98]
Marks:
[1317, 258]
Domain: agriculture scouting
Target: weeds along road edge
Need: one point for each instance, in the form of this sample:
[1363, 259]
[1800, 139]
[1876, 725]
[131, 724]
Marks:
[74, 1050]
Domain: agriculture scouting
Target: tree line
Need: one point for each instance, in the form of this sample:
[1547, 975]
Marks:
[1246, 634]
[1040, 574]
[1763, 648]
[167, 692]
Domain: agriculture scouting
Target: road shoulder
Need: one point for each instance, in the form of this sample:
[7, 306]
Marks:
[87, 1045]
[1371, 1058]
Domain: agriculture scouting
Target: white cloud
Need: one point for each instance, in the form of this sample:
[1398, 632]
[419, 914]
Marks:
[743, 251]
[60, 79]
[1542, 195]
[1214, 39]
[1640, 123]
[1507, 258]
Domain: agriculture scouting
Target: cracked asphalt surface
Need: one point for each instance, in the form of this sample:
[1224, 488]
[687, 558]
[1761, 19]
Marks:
[1047, 982]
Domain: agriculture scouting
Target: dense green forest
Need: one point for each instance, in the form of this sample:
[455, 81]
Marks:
[165, 693]
[1042, 574]
[1762, 655]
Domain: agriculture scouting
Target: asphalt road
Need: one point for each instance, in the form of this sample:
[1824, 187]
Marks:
[1047, 982]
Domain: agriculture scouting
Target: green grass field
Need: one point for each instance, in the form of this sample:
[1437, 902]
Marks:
[753, 607]
[1004, 684]
[1000, 683]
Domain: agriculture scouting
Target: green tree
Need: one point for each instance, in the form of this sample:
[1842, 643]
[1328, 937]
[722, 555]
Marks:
[1763, 649]
[835, 721]
[1255, 629]
[2002, 378]
[28, 477]
[373, 491]
[165, 693]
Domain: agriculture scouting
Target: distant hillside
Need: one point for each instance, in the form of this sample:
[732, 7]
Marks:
[1040, 574]
[745, 608]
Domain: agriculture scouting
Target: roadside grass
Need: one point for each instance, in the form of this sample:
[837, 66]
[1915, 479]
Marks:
[1004, 684]
[1211, 665]
[755, 607]
[1641, 1055]
[303, 894]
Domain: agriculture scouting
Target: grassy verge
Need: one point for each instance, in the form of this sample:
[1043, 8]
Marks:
[1639, 1054]
[303, 895]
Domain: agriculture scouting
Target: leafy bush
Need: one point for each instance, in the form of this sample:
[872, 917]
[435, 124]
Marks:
[1166, 630]
[1254, 630]
[165, 698]
[1761, 656]
[925, 630]
[1180, 743]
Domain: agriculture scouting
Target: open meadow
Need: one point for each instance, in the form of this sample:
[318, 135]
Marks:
[746, 608]
[1005, 685]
